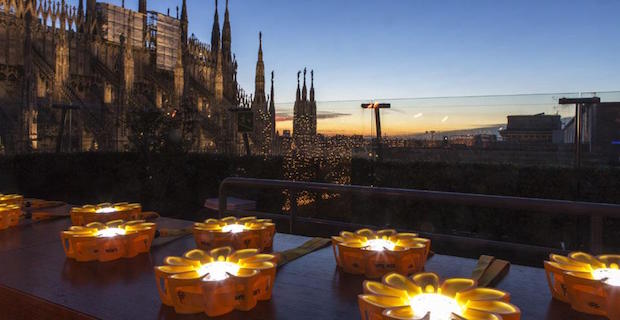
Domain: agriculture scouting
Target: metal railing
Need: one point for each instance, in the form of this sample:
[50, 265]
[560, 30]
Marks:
[596, 211]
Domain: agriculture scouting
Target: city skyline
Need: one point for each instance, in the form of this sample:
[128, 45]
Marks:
[412, 117]
[420, 48]
[460, 56]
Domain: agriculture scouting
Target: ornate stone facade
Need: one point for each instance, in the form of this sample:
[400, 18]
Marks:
[69, 80]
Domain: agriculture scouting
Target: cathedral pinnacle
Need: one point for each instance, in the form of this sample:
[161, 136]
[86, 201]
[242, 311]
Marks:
[304, 91]
[226, 35]
[298, 96]
[215, 33]
[312, 85]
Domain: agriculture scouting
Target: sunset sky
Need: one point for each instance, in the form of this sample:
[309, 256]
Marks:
[371, 49]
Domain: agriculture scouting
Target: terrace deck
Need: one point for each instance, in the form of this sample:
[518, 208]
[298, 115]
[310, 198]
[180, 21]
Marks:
[38, 282]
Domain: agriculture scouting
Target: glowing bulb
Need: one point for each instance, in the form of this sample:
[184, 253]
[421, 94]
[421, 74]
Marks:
[110, 232]
[105, 210]
[217, 271]
[608, 276]
[234, 228]
[380, 244]
[439, 306]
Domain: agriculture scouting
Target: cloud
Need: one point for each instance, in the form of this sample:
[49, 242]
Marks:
[283, 116]
[331, 115]
[321, 115]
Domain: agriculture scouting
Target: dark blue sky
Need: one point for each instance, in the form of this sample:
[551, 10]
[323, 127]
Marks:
[363, 49]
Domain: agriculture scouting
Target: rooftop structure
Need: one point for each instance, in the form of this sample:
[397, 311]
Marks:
[537, 128]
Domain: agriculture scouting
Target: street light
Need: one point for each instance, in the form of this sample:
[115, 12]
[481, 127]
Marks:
[377, 107]
[579, 103]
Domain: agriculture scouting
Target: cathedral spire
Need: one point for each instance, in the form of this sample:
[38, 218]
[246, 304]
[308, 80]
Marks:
[298, 96]
[184, 23]
[272, 106]
[259, 91]
[80, 17]
[312, 85]
[91, 15]
[260, 46]
[226, 36]
[304, 91]
[142, 6]
[215, 33]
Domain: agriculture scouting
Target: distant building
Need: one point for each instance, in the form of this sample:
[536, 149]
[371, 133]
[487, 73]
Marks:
[532, 129]
[600, 131]
[304, 121]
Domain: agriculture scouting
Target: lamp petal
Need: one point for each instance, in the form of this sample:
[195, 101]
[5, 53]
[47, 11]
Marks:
[481, 294]
[497, 307]
[470, 314]
[587, 258]
[366, 233]
[197, 255]
[401, 282]
[221, 254]
[383, 301]
[257, 258]
[191, 275]
[241, 255]
[610, 260]
[429, 282]
[379, 288]
[404, 313]
[175, 269]
[246, 273]
[451, 287]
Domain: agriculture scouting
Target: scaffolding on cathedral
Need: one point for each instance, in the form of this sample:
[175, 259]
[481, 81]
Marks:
[164, 31]
[117, 21]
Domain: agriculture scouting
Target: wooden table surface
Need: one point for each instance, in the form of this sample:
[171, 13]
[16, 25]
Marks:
[37, 281]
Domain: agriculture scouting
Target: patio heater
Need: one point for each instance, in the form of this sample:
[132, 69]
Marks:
[579, 104]
[377, 107]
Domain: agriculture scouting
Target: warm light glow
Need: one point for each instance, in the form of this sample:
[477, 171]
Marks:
[234, 228]
[105, 210]
[110, 232]
[608, 276]
[380, 244]
[217, 271]
[440, 307]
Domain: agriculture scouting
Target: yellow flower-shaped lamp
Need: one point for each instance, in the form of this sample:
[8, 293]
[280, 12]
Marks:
[216, 282]
[106, 242]
[11, 199]
[105, 212]
[243, 233]
[590, 284]
[375, 254]
[9, 215]
[423, 297]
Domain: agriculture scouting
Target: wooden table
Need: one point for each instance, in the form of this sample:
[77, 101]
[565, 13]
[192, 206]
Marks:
[38, 282]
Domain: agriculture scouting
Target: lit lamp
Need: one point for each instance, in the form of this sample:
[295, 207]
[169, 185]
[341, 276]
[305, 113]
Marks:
[590, 284]
[11, 199]
[216, 282]
[243, 233]
[377, 253]
[423, 297]
[105, 212]
[106, 242]
[9, 215]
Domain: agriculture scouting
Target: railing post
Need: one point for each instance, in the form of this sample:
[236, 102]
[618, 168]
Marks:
[223, 200]
[596, 234]
[293, 213]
